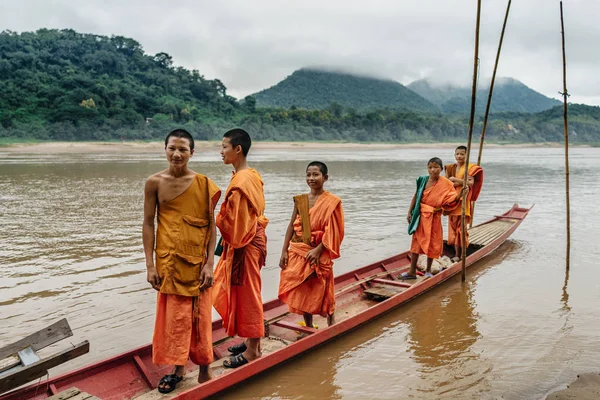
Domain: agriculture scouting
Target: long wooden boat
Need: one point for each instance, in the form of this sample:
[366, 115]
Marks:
[361, 295]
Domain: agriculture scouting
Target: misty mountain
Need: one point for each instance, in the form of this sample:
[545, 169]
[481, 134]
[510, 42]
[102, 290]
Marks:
[509, 95]
[317, 89]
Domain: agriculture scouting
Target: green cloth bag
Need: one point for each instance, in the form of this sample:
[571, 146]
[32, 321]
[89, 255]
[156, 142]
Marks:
[416, 211]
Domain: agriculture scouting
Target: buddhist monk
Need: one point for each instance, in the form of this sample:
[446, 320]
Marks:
[434, 192]
[456, 173]
[241, 220]
[312, 241]
[183, 203]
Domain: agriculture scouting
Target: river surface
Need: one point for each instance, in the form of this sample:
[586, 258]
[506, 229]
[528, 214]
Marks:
[70, 246]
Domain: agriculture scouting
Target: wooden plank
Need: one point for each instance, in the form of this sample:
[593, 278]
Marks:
[40, 339]
[64, 395]
[492, 233]
[484, 234]
[299, 328]
[392, 283]
[380, 293]
[25, 374]
[9, 362]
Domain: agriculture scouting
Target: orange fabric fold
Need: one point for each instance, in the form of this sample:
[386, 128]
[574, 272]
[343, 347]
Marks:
[237, 289]
[178, 334]
[309, 288]
[428, 238]
[454, 213]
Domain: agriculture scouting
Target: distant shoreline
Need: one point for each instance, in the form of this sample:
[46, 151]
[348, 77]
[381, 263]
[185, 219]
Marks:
[158, 146]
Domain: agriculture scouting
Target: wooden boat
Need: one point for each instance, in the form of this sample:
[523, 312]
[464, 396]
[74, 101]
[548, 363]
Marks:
[361, 295]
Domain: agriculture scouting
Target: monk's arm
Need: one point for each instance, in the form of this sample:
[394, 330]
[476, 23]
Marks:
[288, 236]
[148, 237]
[460, 181]
[238, 223]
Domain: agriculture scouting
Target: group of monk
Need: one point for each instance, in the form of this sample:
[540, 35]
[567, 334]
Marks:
[437, 195]
[180, 255]
[180, 252]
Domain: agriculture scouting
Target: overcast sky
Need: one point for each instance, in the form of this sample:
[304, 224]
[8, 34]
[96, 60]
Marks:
[253, 44]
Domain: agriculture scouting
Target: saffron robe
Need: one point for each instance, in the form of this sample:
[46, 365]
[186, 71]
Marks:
[428, 239]
[455, 214]
[237, 289]
[307, 288]
[183, 327]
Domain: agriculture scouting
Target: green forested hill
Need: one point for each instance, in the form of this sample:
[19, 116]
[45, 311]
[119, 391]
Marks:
[509, 95]
[87, 81]
[316, 89]
[64, 85]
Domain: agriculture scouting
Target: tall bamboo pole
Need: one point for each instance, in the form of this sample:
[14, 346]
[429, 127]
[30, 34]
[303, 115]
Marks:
[489, 100]
[565, 94]
[471, 122]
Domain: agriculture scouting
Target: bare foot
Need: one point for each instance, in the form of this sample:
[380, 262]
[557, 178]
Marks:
[330, 319]
[204, 374]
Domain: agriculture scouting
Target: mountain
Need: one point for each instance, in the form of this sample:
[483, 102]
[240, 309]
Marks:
[510, 95]
[87, 82]
[317, 89]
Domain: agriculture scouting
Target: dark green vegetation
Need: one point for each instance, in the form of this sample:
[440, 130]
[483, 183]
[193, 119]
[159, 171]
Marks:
[509, 95]
[63, 85]
[312, 89]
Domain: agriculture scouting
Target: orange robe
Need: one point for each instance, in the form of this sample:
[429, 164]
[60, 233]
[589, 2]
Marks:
[428, 239]
[455, 215]
[307, 288]
[237, 289]
[183, 327]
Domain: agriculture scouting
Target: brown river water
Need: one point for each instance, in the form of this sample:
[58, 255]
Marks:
[70, 246]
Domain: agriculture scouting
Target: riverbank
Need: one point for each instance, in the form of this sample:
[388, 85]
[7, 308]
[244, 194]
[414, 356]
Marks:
[586, 387]
[151, 147]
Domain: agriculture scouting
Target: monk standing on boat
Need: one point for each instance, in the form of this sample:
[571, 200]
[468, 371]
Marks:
[183, 203]
[434, 193]
[237, 294]
[312, 241]
[456, 173]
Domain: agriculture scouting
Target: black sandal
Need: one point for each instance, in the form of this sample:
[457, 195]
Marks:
[235, 361]
[237, 349]
[171, 380]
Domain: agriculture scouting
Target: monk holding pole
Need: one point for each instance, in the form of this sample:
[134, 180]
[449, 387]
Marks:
[455, 173]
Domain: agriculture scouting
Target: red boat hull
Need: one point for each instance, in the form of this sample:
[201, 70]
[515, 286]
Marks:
[132, 374]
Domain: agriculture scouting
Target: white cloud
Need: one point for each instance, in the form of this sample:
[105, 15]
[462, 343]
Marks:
[251, 45]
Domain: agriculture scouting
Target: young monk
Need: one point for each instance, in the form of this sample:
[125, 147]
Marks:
[312, 241]
[241, 220]
[456, 173]
[183, 203]
[434, 192]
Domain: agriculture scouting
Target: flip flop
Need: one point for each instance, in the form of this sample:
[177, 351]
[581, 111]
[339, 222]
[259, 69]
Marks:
[237, 349]
[235, 361]
[171, 380]
[429, 274]
[455, 259]
[405, 276]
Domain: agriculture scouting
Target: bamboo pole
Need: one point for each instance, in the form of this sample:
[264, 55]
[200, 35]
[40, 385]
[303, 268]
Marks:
[471, 122]
[565, 94]
[489, 100]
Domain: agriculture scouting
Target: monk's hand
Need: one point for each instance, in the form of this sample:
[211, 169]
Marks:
[313, 255]
[464, 191]
[409, 217]
[153, 278]
[283, 260]
[206, 276]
